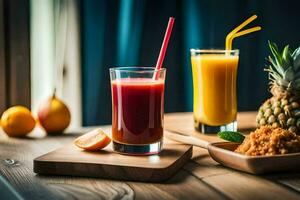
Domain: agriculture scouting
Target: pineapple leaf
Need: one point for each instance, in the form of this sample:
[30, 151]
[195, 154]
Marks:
[283, 83]
[296, 57]
[284, 68]
[273, 46]
[275, 67]
[296, 53]
[274, 50]
[273, 73]
[275, 76]
[287, 59]
[297, 75]
[297, 63]
[289, 74]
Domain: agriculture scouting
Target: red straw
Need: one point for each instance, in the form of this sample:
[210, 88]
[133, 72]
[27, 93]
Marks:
[164, 46]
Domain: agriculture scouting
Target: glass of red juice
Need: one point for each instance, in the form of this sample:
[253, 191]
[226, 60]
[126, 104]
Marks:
[137, 109]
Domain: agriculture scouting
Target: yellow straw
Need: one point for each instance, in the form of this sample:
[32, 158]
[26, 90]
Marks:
[234, 31]
[238, 34]
[247, 31]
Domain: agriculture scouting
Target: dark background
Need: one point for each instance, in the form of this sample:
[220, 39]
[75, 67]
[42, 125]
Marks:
[130, 32]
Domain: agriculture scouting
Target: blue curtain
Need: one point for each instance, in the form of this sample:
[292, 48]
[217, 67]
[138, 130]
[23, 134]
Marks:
[130, 32]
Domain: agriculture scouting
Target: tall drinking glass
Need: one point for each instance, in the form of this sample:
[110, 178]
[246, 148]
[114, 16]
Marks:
[137, 109]
[214, 86]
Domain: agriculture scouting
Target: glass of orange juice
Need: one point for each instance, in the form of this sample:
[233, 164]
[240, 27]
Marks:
[214, 88]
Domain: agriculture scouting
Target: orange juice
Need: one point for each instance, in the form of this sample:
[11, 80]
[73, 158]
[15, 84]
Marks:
[214, 83]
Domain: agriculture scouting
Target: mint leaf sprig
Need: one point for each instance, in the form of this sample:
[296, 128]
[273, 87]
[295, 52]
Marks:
[231, 136]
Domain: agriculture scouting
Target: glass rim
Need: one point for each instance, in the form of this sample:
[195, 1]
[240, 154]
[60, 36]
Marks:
[140, 69]
[193, 50]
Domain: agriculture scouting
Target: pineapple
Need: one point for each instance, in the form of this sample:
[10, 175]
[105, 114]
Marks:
[283, 108]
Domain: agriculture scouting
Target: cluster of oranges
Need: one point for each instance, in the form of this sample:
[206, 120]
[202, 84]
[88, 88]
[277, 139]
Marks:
[53, 115]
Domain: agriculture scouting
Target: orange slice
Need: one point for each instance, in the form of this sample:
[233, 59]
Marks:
[93, 140]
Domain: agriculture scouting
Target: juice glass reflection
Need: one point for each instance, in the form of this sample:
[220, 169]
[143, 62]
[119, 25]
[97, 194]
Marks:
[137, 109]
[214, 88]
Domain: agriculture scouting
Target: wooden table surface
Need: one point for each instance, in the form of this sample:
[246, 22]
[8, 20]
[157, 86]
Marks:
[200, 178]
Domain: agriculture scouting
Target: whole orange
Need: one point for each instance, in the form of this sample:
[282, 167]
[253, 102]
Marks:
[54, 116]
[17, 121]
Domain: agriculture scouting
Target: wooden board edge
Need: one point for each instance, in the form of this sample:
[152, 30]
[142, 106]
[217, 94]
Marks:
[107, 171]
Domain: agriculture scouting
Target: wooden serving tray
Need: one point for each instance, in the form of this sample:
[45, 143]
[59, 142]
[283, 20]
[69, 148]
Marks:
[70, 160]
[223, 153]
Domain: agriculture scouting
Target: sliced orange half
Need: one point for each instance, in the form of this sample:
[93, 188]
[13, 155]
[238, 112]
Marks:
[93, 140]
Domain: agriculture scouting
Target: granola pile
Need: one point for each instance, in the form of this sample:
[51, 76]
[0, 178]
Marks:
[267, 140]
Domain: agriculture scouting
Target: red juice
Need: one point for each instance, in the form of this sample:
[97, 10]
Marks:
[138, 110]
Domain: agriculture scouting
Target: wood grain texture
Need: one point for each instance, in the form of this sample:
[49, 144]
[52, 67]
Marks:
[181, 186]
[238, 186]
[31, 186]
[200, 178]
[73, 161]
[184, 123]
[203, 166]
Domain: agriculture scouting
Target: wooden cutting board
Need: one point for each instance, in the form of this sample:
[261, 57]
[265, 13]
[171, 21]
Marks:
[70, 160]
